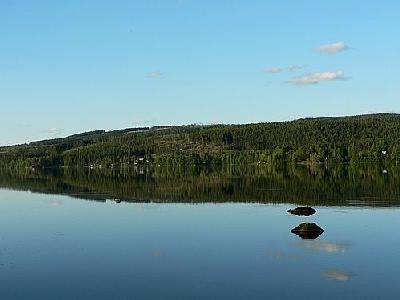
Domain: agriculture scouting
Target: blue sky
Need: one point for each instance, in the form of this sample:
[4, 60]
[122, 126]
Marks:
[73, 66]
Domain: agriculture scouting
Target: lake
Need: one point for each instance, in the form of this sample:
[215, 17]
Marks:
[199, 233]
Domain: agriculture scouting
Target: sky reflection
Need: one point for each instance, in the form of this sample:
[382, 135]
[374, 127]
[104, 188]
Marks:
[88, 249]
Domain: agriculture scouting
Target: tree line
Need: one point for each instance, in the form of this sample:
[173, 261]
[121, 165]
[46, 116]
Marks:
[372, 138]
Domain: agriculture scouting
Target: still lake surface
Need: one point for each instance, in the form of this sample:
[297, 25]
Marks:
[199, 234]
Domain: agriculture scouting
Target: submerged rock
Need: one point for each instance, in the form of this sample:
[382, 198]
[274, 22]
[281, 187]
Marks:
[302, 211]
[308, 231]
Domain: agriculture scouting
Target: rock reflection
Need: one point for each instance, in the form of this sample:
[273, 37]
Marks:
[302, 211]
[308, 231]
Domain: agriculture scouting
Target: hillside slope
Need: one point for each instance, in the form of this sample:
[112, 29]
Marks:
[339, 139]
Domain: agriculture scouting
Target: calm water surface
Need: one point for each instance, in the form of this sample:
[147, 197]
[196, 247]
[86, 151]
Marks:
[61, 247]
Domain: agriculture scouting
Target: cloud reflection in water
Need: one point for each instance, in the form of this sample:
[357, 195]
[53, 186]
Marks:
[337, 275]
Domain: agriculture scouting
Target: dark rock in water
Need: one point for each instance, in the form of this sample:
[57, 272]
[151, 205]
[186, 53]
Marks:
[302, 211]
[308, 231]
[117, 200]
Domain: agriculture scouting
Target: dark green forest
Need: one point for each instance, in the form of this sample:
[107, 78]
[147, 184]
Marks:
[356, 139]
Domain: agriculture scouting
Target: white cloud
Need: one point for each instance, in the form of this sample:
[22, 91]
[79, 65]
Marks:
[315, 78]
[333, 48]
[154, 74]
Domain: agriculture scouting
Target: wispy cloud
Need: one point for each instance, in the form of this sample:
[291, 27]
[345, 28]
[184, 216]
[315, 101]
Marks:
[54, 130]
[294, 67]
[154, 74]
[276, 70]
[333, 48]
[315, 78]
[337, 275]
[143, 122]
[24, 124]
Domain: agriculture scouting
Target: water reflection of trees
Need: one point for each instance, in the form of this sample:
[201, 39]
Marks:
[322, 185]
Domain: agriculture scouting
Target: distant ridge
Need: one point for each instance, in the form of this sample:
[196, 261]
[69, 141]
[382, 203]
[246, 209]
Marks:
[102, 133]
[361, 116]
[368, 137]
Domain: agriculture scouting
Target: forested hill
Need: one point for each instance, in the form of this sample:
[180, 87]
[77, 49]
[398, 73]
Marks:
[312, 140]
